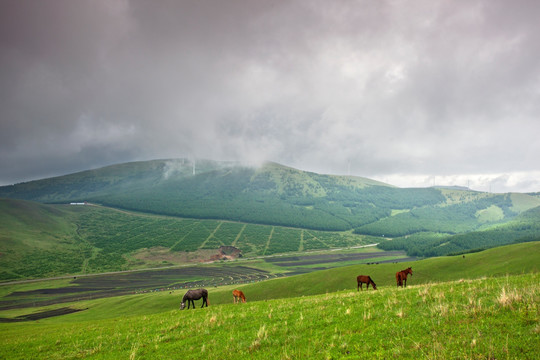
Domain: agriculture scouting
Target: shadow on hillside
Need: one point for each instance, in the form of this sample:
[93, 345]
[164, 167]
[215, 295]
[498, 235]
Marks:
[41, 315]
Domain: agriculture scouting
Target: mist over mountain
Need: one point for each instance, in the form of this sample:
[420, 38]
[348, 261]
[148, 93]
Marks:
[274, 194]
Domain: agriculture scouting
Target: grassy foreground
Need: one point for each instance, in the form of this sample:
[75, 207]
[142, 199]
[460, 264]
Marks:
[489, 318]
[483, 306]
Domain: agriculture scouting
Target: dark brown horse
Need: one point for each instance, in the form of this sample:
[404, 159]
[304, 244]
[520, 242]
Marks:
[192, 295]
[401, 276]
[237, 295]
[365, 279]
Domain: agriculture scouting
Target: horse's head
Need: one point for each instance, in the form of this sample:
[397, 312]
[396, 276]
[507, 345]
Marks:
[182, 305]
[409, 270]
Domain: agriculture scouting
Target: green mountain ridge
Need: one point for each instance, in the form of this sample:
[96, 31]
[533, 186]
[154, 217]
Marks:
[269, 194]
[304, 210]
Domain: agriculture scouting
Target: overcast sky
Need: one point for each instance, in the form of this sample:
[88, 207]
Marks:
[413, 93]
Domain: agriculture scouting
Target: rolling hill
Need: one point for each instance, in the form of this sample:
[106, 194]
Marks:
[481, 306]
[178, 206]
[276, 195]
[47, 240]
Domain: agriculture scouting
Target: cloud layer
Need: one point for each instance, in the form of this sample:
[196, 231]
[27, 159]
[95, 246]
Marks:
[407, 92]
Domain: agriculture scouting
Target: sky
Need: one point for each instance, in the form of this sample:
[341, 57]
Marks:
[412, 93]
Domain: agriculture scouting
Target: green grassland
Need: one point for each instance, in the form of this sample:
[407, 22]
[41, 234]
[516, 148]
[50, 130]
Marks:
[50, 240]
[41, 240]
[481, 306]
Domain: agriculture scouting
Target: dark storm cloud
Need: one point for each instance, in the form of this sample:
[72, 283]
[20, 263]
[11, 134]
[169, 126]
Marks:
[418, 91]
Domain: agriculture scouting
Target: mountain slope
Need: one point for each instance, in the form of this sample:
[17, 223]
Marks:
[46, 240]
[523, 228]
[37, 239]
[277, 195]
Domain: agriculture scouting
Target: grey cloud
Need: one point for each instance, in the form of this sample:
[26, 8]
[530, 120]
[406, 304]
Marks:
[375, 88]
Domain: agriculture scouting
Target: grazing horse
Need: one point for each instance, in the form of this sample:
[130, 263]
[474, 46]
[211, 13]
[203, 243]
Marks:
[192, 295]
[365, 279]
[237, 295]
[401, 276]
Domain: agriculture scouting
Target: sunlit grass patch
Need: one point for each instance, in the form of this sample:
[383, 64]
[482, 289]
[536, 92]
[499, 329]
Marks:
[508, 297]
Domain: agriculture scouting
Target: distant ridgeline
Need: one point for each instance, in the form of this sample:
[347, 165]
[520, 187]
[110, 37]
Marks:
[423, 221]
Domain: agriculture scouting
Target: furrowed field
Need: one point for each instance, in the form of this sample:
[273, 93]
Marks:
[483, 306]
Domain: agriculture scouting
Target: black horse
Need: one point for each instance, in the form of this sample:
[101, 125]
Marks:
[192, 295]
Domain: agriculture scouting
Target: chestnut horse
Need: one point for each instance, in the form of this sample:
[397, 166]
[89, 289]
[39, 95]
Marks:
[192, 295]
[401, 276]
[365, 279]
[237, 295]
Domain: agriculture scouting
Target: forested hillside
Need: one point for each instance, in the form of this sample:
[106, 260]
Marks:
[524, 228]
[319, 212]
[39, 240]
[275, 195]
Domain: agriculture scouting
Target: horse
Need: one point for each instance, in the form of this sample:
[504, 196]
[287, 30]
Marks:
[237, 295]
[192, 295]
[365, 279]
[401, 276]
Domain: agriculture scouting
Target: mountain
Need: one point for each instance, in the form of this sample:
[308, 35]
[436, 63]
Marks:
[262, 210]
[276, 195]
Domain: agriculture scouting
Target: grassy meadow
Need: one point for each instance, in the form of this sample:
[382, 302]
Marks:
[481, 306]
[41, 240]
